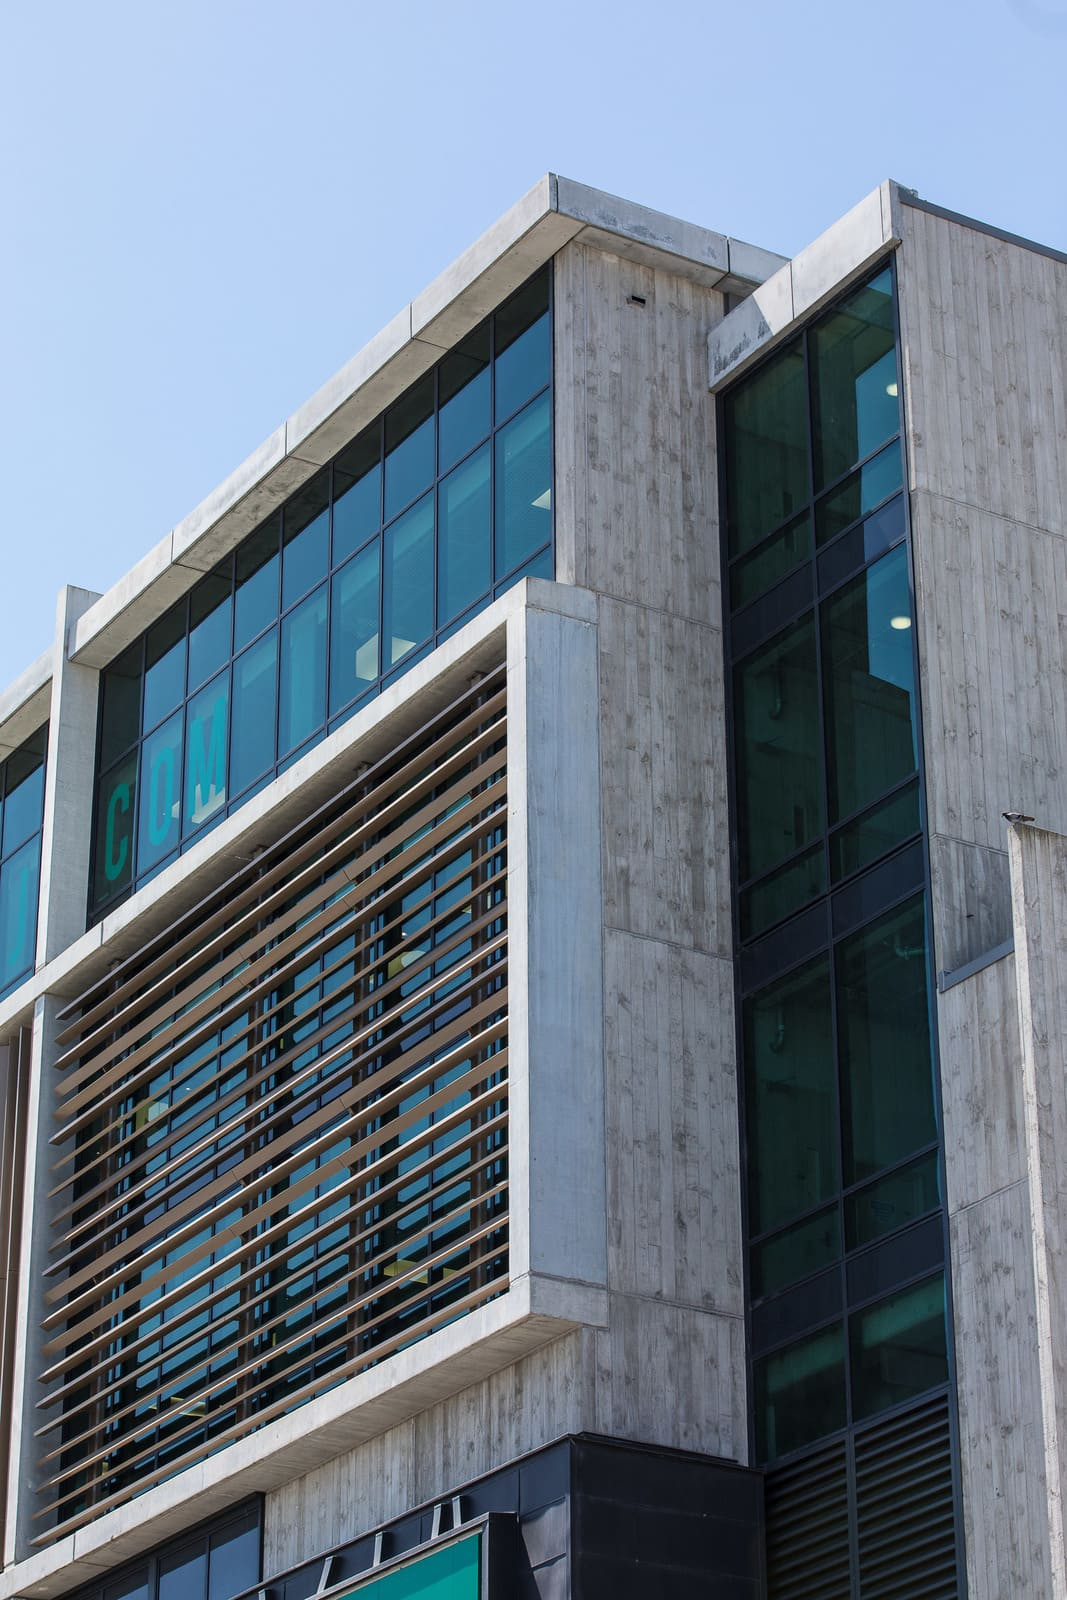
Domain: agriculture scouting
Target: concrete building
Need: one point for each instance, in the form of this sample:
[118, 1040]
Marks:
[530, 1049]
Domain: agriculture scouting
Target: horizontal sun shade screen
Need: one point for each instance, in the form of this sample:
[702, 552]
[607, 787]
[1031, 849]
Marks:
[282, 1143]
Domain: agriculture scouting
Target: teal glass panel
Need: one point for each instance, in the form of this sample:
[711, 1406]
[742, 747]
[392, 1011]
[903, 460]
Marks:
[883, 1025]
[409, 447]
[302, 706]
[858, 495]
[160, 794]
[805, 1248]
[452, 1573]
[354, 660]
[777, 739]
[463, 536]
[800, 1394]
[784, 892]
[357, 495]
[210, 627]
[523, 347]
[115, 813]
[791, 1097]
[256, 601]
[207, 726]
[120, 707]
[253, 715]
[23, 779]
[463, 399]
[524, 485]
[854, 379]
[766, 449]
[869, 674]
[755, 574]
[408, 582]
[898, 1348]
[305, 539]
[892, 1202]
[542, 565]
[19, 878]
[875, 833]
[164, 679]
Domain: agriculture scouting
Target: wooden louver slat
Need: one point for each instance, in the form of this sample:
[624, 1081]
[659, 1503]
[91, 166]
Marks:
[282, 1134]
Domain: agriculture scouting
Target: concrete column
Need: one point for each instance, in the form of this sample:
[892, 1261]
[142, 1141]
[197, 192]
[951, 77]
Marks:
[68, 788]
[1038, 861]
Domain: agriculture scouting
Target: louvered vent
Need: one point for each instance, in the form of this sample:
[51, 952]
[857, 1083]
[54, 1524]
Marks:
[807, 1528]
[905, 1517]
[281, 1152]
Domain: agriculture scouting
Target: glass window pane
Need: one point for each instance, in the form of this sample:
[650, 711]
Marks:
[19, 880]
[523, 486]
[800, 1394]
[902, 1197]
[408, 582]
[542, 565]
[762, 570]
[113, 861]
[210, 623]
[354, 663]
[23, 810]
[463, 519]
[868, 670]
[523, 347]
[120, 713]
[766, 454]
[897, 1348]
[160, 793]
[184, 1576]
[875, 833]
[779, 786]
[305, 539]
[854, 379]
[132, 1588]
[206, 731]
[409, 447]
[357, 494]
[252, 719]
[884, 1042]
[859, 494]
[784, 892]
[791, 1100]
[463, 399]
[303, 675]
[233, 1562]
[795, 1254]
[164, 679]
[256, 602]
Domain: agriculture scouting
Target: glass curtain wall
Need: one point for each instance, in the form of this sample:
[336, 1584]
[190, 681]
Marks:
[419, 523]
[21, 824]
[846, 1240]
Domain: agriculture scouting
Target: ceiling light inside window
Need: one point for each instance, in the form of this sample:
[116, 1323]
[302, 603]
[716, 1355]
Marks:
[900, 623]
[891, 389]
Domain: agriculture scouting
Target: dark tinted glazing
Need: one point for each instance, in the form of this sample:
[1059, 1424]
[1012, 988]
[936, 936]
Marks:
[767, 477]
[854, 379]
[778, 754]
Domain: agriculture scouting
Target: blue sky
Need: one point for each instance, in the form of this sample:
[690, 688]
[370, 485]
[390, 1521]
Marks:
[207, 207]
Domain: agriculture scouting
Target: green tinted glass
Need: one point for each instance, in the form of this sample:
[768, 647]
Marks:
[898, 1348]
[766, 440]
[255, 686]
[523, 486]
[800, 1394]
[854, 379]
[115, 813]
[776, 706]
[302, 704]
[19, 879]
[354, 663]
[883, 1026]
[464, 521]
[453, 1573]
[164, 679]
[875, 833]
[206, 733]
[869, 677]
[859, 494]
[791, 1097]
[159, 794]
[760, 571]
[783, 892]
[408, 582]
[893, 1201]
[796, 1253]
[120, 706]
[23, 781]
[210, 626]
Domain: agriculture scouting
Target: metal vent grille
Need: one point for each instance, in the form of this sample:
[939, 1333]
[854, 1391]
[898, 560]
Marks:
[904, 1505]
[281, 1151]
[807, 1528]
[898, 1535]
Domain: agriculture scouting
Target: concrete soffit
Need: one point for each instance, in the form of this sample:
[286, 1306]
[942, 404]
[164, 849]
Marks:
[25, 704]
[554, 212]
[800, 287]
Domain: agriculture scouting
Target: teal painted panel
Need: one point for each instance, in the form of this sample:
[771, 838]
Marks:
[453, 1573]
